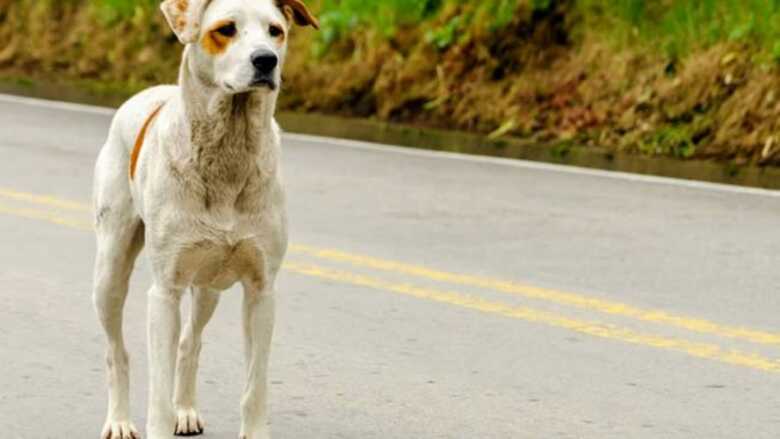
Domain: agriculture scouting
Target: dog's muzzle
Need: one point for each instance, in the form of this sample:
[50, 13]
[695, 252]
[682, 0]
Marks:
[265, 63]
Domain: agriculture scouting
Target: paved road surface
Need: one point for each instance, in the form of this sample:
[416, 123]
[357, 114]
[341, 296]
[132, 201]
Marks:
[425, 296]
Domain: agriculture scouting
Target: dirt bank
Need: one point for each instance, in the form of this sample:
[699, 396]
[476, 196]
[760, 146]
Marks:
[543, 76]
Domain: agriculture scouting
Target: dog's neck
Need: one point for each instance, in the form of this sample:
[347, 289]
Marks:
[220, 120]
[231, 138]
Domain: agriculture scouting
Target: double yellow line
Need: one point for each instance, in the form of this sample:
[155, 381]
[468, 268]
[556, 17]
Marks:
[549, 295]
[708, 351]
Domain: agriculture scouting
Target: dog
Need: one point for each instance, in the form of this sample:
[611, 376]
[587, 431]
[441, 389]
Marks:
[191, 172]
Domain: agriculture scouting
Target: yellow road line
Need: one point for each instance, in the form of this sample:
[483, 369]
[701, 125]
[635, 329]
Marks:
[46, 216]
[549, 295]
[559, 297]
[43, 200]
[700, 350]
[595, 329]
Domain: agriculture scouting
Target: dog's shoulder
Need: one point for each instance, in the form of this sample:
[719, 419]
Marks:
[131, 116]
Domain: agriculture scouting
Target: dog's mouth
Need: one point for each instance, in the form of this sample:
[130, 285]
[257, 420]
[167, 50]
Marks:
[264, 82]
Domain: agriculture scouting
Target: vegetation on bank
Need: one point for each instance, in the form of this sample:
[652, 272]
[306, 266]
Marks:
[683, 78]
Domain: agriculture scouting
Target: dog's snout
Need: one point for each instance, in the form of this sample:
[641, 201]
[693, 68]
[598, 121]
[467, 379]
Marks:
[264, 61]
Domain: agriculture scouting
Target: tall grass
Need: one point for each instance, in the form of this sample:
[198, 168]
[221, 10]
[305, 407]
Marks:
[677, 26]
[683, 25]
[117, 10]
[339, 17]
[384, 17]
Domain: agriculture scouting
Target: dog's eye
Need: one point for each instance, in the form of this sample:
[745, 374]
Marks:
[275, 31]
[228, 30]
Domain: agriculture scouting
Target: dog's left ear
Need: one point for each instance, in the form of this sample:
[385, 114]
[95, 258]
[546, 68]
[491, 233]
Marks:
[184, 17]
[296, 10]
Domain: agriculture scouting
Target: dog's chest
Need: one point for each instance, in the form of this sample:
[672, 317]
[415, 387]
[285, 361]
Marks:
[218, 266]
[233, 189]
[219, 216]
[224, 224]
[218, 247]
[234, 227]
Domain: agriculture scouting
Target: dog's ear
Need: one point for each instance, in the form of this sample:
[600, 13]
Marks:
[296, 10]
[184, 17]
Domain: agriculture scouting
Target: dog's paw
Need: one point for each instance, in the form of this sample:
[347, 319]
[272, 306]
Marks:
[188, 422]
[119, 430]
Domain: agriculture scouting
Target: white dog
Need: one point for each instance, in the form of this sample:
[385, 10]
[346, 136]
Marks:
[192, 171]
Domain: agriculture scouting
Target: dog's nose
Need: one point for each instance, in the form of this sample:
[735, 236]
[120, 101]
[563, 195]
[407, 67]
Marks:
[264, 61]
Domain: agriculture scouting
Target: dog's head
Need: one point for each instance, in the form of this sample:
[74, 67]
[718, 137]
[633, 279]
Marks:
[238, 45]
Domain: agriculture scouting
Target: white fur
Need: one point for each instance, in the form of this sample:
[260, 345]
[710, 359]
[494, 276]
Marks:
[207, 202]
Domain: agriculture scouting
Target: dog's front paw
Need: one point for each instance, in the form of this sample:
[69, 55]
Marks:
[119, 430]
[188, 422]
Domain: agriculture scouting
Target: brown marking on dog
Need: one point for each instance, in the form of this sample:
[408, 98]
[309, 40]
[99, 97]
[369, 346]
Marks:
[300, 13]
[181, 17]
[139, 141]
[214, 42]
[181, 23]
[288, 13]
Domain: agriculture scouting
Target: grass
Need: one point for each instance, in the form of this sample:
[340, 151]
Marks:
[684, 25]
[677, 26]
[384, 18]
[675, 141]
[122, 9]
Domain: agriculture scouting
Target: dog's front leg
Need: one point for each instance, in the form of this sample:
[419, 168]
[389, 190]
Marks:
[164, 325]
[259, 309]
[189, 422]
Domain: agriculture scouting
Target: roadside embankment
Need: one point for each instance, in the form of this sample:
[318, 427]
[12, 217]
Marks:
[563, 79]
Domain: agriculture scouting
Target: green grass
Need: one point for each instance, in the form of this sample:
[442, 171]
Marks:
[675, 141]
[112, 11]
[684, 25]
[341, 17]
[677, 26]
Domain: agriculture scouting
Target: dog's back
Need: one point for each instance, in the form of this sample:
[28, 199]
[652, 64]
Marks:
[131, 116]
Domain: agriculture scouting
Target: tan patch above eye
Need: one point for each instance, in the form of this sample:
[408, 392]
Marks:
[214, 42]
[182, 5]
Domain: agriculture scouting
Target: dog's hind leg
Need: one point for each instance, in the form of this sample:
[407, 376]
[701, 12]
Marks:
[118, 246]
[120, 238]
[189, 422]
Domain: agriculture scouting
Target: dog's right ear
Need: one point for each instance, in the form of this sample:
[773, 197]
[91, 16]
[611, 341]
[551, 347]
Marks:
[184, 17]
[296, 10]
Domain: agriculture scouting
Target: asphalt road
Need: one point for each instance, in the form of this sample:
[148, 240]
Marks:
[425, 296]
